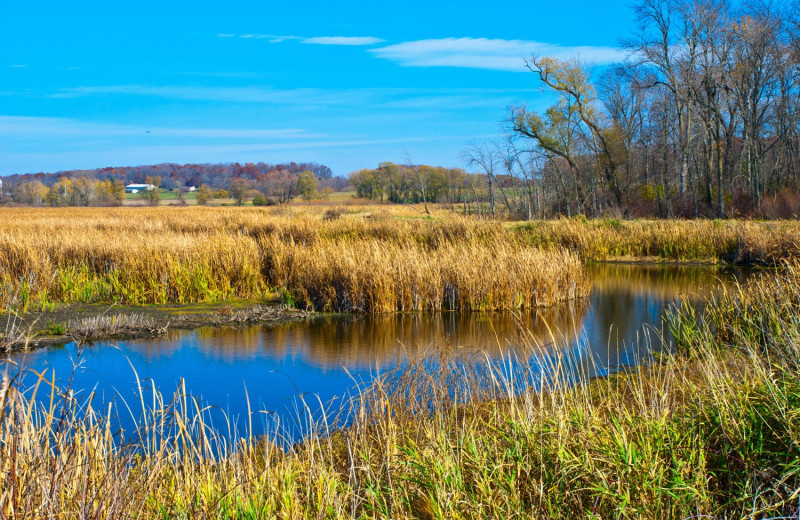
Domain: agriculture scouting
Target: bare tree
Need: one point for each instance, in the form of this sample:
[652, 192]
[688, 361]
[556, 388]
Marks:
[487, 158]
[417, 169]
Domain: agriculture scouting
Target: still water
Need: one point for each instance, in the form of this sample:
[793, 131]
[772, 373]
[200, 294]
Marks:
[320, 360]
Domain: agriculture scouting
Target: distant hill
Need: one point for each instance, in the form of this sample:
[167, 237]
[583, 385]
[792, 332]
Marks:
[174, 175]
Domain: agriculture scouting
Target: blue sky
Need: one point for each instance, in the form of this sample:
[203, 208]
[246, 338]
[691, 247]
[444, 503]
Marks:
[90, 84]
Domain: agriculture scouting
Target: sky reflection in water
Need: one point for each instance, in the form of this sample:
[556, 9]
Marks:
[323, 358]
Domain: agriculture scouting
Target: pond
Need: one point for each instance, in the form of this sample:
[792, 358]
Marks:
[281, 369]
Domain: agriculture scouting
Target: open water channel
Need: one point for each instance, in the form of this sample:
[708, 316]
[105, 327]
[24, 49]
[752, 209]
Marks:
[318, 361]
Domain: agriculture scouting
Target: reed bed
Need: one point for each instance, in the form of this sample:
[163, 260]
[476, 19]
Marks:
[730, 241]
[378, 277]
[367, 258]
[710, 432]
[369, 261]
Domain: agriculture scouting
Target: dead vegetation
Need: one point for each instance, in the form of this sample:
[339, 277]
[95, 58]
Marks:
[349, 263]
[114, 326]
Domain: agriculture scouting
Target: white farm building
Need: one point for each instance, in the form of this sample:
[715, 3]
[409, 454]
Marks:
[136, 188]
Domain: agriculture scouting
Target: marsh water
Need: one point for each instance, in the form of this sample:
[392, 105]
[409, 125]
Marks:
[317, 362]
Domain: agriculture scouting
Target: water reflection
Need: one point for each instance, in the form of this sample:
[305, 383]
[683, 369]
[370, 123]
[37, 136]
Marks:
[664, 281]
[374, 341]
[326, 356]
[628, 304]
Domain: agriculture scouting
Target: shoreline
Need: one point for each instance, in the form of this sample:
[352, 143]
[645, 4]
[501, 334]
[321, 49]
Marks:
[154, 320]
[160, 318]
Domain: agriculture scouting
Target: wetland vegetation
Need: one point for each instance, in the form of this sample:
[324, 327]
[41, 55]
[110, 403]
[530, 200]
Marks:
[566, 387]
[368, 261]
[711, 429]
[360, 258]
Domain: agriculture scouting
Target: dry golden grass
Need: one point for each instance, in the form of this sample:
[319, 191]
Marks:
[371, 259]
[375, 276]
[732, 241]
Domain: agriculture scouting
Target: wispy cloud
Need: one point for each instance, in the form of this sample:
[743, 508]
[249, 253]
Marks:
[273, 38]
[235, 148]
[473, 53]
[306, 98]
[483, 53]
[30, 126]
[316, 40]
[301, 96]
[343, 40]
[265, 36]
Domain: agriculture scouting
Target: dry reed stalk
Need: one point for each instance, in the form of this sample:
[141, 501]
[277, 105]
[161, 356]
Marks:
[710, 431]
[12, 335]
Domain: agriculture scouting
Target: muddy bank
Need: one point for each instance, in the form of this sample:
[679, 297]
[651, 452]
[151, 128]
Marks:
[95, 322]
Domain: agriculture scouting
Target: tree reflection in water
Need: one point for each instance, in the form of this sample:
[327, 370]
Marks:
[327, 355]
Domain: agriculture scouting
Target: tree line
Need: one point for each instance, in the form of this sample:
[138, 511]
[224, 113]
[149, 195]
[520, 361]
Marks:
[403, 184]
[702, 118]
[106, 186]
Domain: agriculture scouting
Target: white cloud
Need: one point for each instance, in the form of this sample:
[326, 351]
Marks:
[316, 40]
[343, 40]
[483, 53]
